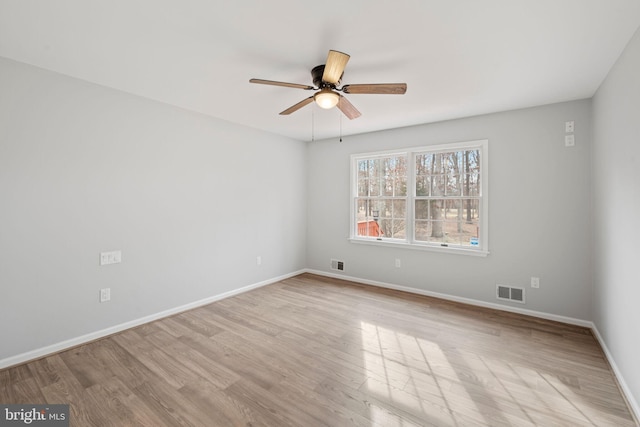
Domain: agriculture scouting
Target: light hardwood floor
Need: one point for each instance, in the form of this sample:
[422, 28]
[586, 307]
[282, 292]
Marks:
[312, 351]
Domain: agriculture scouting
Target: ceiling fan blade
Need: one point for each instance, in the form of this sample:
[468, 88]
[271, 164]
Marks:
[379, 88]
[271, 82]
[297, 106]
[348, 109]
[334, 67]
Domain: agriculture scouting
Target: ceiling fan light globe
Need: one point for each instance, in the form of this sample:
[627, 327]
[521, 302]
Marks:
[326, 98]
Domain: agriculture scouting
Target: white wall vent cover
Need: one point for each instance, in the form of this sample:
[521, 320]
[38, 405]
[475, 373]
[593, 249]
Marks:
[508, 293]
[337, 265]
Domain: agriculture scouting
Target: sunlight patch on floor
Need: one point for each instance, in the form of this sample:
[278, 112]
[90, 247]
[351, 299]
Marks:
[401, 369]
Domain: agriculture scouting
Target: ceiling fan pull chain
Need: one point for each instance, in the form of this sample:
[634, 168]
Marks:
[340, 115]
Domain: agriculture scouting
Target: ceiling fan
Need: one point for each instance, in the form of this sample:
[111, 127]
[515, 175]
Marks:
[326, 78]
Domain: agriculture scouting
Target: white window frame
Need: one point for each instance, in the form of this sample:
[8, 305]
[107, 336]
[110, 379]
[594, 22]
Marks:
[409, 242]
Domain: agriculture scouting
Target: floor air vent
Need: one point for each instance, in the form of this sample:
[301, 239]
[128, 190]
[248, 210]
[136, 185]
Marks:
[337, 265]
[510, 294]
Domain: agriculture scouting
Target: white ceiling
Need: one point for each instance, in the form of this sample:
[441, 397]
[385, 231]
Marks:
[458, 57]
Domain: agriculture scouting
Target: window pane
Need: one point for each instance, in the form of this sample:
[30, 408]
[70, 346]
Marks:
[374, 177]
[451, 163]
[387, 185]
[472, 161]
[437, 163]
[400, 186]
[452, 210]
[437, 232]
[430, 231]
[399, 208]
[363, 169]
[392, 220]
[369, 228]
[393, 228]
[423, 164]
[436, 209]
[399, 229]
[386, 208]
[423, 183]
[422, 209]
[437, 185]
[470, 235]
[454, 185]
[361, 208]
[363, 187]
[470, 209]
[471, 185]
[453, 232]
[374, 187]
[422, 231]
[377, 208]
[366, 208]
[366, 223]
[393, 176]
[463, 234]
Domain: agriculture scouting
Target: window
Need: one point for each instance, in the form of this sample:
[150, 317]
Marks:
[382, 197]
[429, 197]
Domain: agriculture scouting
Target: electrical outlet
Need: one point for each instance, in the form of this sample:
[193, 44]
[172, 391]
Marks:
[569, 140]
[105, 294]
[398, 263]
[258, 260]
[535, 282]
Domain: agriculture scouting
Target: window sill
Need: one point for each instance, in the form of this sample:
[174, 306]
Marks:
[414, 246]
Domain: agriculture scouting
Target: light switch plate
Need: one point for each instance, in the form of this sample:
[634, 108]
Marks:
[569, 126]
[113, 257]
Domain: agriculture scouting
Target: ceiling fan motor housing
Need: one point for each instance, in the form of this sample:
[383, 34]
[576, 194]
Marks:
[316, 75]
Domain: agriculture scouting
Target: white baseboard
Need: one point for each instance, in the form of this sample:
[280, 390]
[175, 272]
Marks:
[624, 388]
[626, 392]
[539, 314]
[73, 342]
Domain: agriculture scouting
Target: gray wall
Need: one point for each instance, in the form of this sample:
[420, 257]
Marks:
[616, 207]
[190, 200]
[539, 217]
